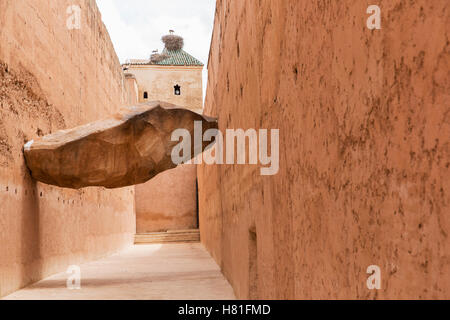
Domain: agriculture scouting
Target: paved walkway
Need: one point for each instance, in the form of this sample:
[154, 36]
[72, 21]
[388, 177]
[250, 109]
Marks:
[167, 272]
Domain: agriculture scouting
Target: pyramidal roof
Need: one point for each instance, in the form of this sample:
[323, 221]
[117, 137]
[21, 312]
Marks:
[179, 58]
[175, 58]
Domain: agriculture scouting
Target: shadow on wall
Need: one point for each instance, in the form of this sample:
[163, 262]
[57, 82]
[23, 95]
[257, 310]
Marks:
[30, 233]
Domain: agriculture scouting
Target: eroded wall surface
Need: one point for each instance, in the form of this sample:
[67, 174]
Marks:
[168, 201]
[364, 149]
[53, 78]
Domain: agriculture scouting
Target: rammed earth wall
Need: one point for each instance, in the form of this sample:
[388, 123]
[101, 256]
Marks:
[53, 78]
[364, 149]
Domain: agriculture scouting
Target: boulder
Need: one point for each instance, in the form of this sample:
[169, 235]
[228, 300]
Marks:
[130, 148]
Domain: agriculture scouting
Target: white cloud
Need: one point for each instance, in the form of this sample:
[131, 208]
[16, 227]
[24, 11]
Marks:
[136, 26]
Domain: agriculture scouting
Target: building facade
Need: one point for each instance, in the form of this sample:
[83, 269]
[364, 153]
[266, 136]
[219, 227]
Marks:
[176, 79]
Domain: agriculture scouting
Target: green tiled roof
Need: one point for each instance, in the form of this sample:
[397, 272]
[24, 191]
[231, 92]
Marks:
[176, 58]
[179, 58]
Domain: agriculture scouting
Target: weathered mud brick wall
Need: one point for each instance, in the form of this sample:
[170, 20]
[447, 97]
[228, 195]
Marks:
[54, 78]
[364, 125]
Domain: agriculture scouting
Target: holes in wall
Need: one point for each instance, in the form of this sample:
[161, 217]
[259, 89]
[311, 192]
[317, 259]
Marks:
[145, 95]
[21, 192]
[177, 90]
[295, 71]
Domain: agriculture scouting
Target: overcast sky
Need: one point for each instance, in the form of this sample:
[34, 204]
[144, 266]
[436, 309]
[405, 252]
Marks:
[136, 26]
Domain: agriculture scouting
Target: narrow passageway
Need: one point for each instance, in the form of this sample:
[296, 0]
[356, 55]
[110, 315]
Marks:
[156, 271]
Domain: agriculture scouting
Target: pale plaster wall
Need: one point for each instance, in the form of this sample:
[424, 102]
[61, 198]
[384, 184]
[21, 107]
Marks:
[159, 82]
[54, 78]
[132, 90]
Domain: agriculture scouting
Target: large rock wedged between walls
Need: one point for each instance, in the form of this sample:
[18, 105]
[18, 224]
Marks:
[129, 148]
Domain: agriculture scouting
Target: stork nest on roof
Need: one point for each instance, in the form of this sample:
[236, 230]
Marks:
[158, 57]
[173, 42]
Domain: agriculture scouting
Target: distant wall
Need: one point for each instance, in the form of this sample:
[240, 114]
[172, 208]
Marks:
[159, 82]
[131, 89]
[364, 149]
[54, 78]
[168, 201]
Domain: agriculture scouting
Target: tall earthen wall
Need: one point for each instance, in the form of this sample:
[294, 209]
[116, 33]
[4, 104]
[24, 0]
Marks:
[364, 149]
[54, 78]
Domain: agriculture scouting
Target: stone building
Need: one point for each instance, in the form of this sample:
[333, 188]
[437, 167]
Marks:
[175, 77]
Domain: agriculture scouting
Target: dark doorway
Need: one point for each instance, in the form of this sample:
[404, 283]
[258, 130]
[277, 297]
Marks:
[252, 264]
[196, 199]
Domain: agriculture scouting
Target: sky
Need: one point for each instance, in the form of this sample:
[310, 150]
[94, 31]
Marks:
[136, 26]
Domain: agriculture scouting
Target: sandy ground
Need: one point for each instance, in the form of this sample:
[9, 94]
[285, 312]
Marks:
[168, 271]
